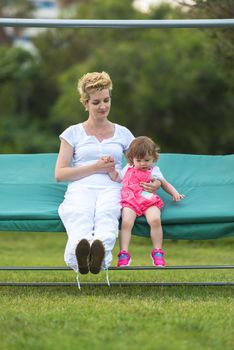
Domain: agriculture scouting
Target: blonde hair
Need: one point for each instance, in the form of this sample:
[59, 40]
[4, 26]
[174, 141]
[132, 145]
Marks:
[141, 147]
[92, 82]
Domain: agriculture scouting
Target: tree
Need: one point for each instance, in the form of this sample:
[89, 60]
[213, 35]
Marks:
[168, 83]
[20, 130]
[16, 9]
[222, 49]
[223, 38]
[162, 88]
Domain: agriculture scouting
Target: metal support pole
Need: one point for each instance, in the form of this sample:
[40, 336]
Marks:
[121, 284]
[118, 23]
[112, 268]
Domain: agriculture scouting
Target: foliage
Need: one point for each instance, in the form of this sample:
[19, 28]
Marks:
[174, 85]
[19, 8]
[18, 68]
[20, 129]
[20, 134]
[223, 38]
[166, 82]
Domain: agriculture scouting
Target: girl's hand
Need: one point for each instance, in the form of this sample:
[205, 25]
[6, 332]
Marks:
[177, 197]
[152, 186]
[107, 159]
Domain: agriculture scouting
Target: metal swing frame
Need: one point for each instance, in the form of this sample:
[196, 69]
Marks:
[119, 283]
[63, 23]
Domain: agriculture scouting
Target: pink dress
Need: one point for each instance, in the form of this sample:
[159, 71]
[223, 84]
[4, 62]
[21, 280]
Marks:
[133, 195]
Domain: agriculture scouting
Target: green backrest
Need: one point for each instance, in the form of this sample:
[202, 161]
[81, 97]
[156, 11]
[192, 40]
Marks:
[30, 196]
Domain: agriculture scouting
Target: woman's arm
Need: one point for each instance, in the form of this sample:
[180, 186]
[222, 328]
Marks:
[152, 186]
[65, 172]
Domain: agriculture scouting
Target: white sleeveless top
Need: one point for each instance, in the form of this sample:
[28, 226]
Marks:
[88, 149]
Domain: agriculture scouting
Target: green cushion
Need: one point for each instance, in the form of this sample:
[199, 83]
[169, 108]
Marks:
[29, 195]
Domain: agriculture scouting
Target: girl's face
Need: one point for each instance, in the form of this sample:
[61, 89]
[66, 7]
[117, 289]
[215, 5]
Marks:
[99, 104]
[143, 163]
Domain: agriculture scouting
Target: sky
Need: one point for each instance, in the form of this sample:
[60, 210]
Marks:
[144, 4]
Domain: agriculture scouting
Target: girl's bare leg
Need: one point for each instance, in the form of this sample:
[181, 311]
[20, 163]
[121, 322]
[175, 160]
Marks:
[128, 219]
[153, 217]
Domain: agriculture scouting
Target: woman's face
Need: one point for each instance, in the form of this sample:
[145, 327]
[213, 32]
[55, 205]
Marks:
[99, 104]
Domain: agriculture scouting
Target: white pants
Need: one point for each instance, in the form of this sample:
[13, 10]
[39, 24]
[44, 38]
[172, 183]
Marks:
[91, 214]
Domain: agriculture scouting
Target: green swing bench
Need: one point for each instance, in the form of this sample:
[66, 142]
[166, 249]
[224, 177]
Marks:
[30, 196]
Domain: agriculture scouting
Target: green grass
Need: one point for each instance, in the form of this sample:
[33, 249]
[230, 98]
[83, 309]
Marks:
[183, 317]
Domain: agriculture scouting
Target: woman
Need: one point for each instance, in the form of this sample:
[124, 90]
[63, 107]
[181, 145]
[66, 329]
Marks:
[89, 151]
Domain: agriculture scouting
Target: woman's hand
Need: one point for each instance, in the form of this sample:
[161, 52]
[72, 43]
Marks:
[152, 186]
[105, 164]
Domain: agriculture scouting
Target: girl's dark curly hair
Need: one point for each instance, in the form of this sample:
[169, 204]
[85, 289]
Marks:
[141, 147]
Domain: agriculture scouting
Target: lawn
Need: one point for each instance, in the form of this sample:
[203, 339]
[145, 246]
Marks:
[134, 317]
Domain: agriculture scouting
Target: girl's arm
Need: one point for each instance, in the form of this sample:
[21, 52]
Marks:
[114, 175]
[171, 190]
[65, 172]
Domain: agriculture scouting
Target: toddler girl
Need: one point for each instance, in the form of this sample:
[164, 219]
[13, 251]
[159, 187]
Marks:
[137, 201]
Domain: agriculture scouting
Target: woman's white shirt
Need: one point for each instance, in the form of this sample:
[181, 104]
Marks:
[88, 149]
